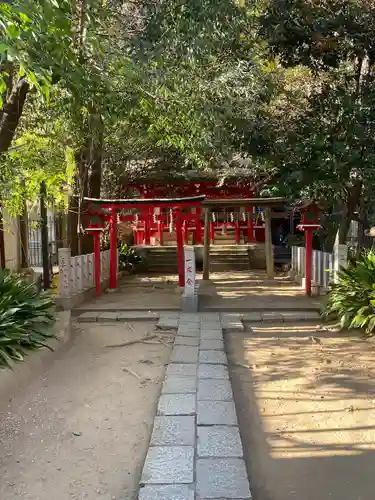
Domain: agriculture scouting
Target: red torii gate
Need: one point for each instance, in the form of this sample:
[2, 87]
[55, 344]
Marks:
[103, 210]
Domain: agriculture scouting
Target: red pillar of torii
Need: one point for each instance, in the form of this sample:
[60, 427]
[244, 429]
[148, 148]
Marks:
[309, 223]
[101, 211]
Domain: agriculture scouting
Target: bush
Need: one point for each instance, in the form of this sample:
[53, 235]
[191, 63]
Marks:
[129, 260]
[25, 318]
[351, 300]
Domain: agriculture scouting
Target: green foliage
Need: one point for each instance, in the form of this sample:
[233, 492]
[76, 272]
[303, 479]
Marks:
[129, 259]
[351, 300]
[25, 318]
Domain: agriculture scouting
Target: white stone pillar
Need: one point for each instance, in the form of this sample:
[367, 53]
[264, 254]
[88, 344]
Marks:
[190, 274]
[64, 272]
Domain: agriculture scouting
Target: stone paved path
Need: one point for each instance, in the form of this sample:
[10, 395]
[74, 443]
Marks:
[195, 451]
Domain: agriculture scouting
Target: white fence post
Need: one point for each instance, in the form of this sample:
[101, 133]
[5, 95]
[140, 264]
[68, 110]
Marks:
[90, 270]
[64, 272]
[85, 271]
[79, 273]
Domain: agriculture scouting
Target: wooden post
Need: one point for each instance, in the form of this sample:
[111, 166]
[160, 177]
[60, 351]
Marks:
[44, 236]
[180, 250]
[212, 232]
[206, 250]
[161, 233]
[268, 244]
[113, 250]
[237, 231]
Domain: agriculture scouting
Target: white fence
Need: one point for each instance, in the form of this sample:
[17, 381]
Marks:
[77, 273]
[324, 265]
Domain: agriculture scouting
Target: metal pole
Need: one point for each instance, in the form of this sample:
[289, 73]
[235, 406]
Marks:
[206, 250]
[44, 236]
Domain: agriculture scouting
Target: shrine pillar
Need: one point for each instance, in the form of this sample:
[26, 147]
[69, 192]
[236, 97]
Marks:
[250, 224]
[198, 226]
[112, 249]
[180, 249]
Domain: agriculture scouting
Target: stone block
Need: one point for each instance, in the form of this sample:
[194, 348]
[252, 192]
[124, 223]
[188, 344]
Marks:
[173, 431]
[192, 341]
[182, 369]
[214, 390]
[216, 413]
[252, 317]
[222, 478]
[167, 492]
[213, 371]
[176, 384]
[189, 331]
[272, 317]
[219, 441]
[88, 317]
[184, 354]
[177, 404]
[212, 345]
[296, 316]
[213, 357]
[167, 322]
[169, 464]
[137, 315]
[108, 316]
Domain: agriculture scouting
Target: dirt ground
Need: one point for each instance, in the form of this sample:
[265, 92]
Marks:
[81, 429]
[306, 406]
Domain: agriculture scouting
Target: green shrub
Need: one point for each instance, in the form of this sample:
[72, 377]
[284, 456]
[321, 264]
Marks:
[129, 260]
[26, 318]
[351, 300]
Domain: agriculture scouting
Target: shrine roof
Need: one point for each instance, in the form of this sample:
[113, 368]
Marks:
[146, 201]
[246, 202]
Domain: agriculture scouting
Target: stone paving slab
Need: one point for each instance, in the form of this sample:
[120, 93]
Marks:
[196, 446]
[219, 441]
[174, 430]
[182, 369]
[167, 492]
[211, 345]
[177, 404]
[213, 357]
[216, 413]
[188, 332]
[212, 334]
[213, 371]
[184, 354]
[222, 477]
[169, 464]
[167, 321]
[192, 341]
[219, 390]
[176, 384]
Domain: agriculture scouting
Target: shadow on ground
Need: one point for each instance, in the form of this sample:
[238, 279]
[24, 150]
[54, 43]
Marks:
[306, 405]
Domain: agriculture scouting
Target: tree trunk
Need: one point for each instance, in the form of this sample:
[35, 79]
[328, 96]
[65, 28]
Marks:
[11, 113]
[94, 165]
[351, 205]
